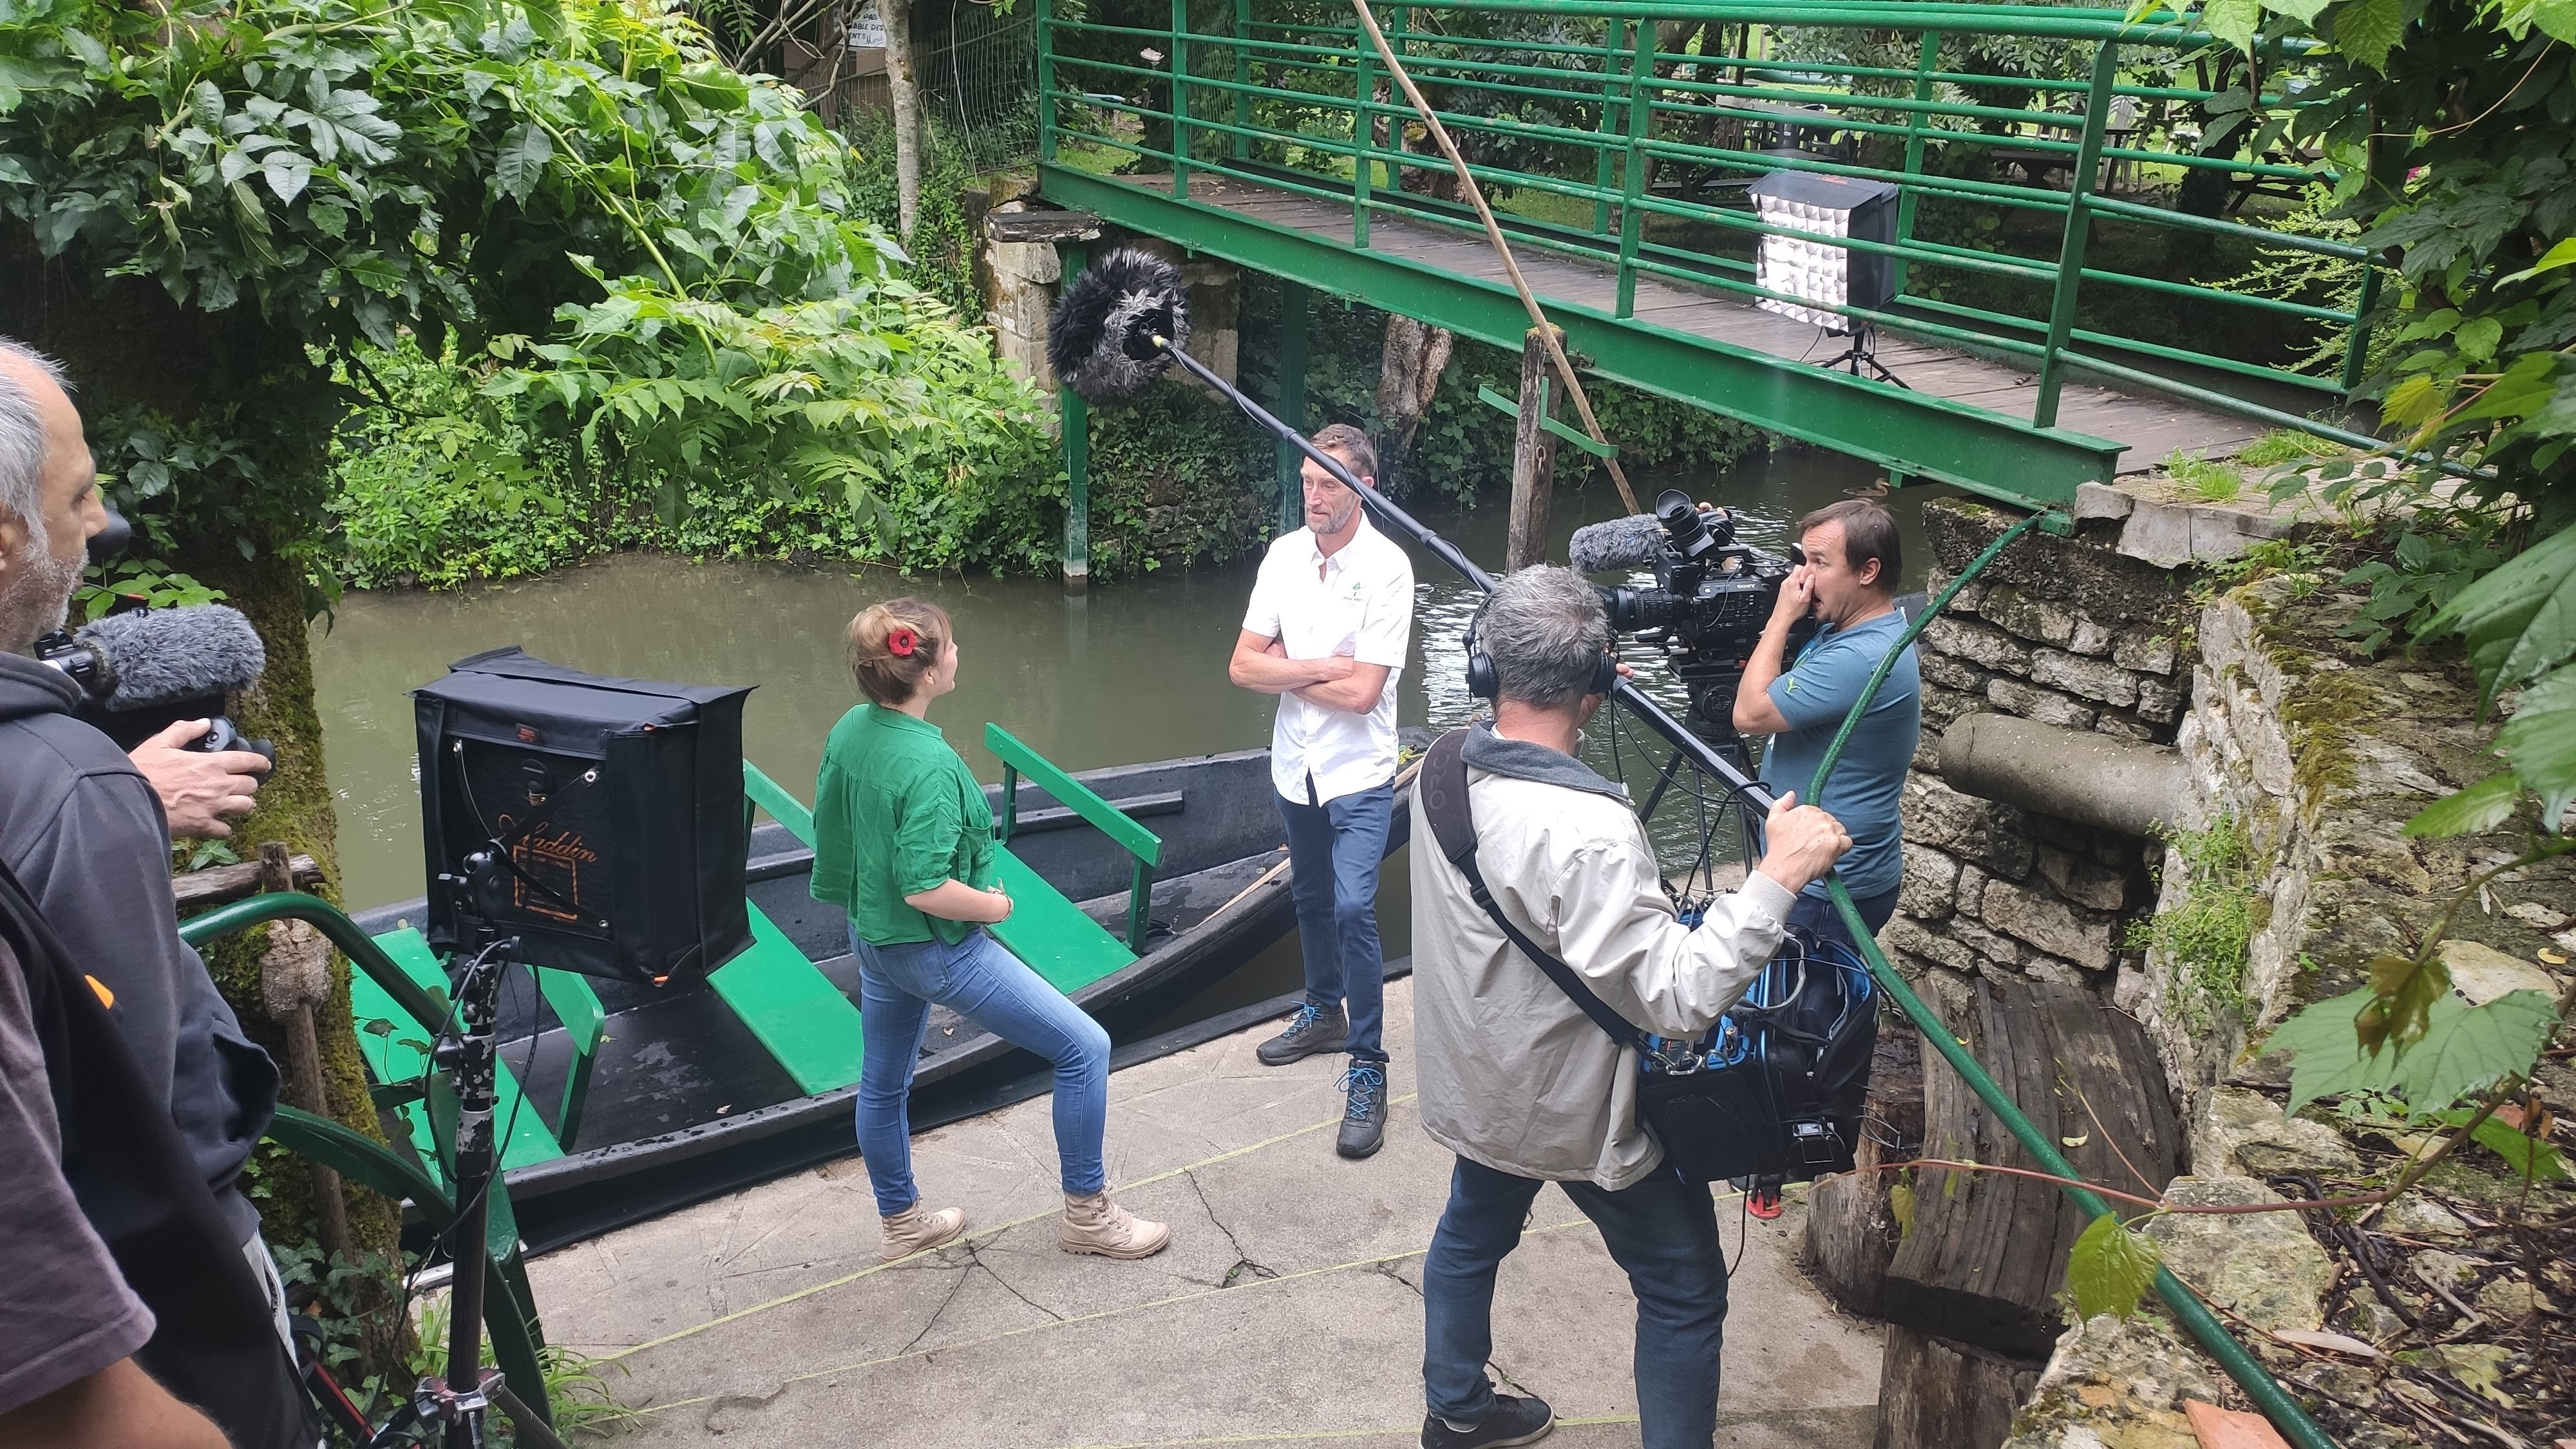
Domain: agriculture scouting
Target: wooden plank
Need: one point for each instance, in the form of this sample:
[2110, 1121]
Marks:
[195, 890]
[800, 1017]
[399, 1055]
[1936, 1394]
[1067, 949]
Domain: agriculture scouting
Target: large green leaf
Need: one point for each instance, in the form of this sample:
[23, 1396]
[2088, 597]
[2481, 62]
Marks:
[2519, 621]
[2480, 807]
[2464, 1049]
[521, 161]
[2233, 21]
[2367, 30]
[2540, 741]
[2110, 1268]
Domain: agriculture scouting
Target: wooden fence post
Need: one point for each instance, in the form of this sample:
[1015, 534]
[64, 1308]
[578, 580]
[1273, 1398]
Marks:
[1533, 459]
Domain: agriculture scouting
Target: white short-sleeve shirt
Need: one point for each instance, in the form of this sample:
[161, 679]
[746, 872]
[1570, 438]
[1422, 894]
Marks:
[1358, 602]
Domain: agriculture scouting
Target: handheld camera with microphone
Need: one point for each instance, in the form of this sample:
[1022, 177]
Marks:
[1711, 597]
[141, 670]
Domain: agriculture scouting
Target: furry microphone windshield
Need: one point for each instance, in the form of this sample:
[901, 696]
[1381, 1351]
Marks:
[1101, 341]
[162, 656]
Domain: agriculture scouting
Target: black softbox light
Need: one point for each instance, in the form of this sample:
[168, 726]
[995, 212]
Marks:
[617, 803]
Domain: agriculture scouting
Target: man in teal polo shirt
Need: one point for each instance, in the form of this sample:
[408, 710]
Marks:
[1849, 584]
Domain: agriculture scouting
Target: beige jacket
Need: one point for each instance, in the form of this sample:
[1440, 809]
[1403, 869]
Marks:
[1512, 1074]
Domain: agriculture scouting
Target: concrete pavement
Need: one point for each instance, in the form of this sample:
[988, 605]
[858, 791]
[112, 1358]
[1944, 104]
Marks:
[1286, 1311]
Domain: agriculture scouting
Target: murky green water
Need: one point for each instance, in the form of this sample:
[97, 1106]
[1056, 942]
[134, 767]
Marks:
[1134, 672]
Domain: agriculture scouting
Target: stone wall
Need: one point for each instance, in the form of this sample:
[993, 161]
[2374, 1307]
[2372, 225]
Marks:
[2319, 755]
[2068, 632]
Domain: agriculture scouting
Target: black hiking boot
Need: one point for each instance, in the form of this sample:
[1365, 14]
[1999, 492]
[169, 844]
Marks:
[1364, 1122]
[1514, 1420]
[1311, 1030]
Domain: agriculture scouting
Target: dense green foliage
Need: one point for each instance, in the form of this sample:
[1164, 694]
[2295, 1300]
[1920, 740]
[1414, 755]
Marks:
[639, 251]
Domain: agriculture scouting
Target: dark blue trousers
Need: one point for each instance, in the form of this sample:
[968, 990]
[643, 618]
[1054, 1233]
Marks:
[1334, 850]
[1817, 914]
[1662, 1231]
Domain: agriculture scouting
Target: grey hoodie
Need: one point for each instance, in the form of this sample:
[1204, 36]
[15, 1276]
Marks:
[84, 832]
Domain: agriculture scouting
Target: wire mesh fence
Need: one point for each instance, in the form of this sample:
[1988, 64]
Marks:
[976, 67]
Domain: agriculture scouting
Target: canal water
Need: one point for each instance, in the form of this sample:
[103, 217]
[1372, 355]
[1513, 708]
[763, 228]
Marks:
[1134, 672]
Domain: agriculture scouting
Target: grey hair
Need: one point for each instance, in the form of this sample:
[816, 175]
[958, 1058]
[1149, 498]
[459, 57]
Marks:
[1545, 629]
[22, 440]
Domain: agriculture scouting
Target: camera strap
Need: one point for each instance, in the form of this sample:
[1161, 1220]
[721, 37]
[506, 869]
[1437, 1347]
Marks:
[1443, 785]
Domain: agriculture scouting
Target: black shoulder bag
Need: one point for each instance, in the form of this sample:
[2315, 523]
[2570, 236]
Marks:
[1773, 1090]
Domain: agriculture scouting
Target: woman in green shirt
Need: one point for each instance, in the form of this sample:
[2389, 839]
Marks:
[903, 842]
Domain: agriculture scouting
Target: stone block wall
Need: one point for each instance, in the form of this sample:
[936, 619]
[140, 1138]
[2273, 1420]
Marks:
[2319, 755]
[2068, 632]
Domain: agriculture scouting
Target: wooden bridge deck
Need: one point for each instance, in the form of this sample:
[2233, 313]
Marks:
[2151, 427]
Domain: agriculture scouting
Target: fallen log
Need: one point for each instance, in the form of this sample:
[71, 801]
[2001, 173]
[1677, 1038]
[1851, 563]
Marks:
[218, 884]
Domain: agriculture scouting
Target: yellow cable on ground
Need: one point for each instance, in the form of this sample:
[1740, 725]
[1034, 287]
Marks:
[994, 1231]
[1494, 234]
[1313, 1436]
[1009, 1333]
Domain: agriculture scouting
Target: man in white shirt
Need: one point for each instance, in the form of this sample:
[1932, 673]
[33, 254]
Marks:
[1330, 620]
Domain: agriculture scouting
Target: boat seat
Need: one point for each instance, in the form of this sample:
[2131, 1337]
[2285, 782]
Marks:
[1067, 949]
[803, 1020]
[397, 1054]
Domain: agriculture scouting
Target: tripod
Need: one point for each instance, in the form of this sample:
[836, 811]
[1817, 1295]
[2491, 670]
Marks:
[1863, 352]
[459, 1402]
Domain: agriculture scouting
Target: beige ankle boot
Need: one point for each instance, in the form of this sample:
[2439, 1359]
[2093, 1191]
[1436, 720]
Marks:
[912, 1230]
[1094, 1224]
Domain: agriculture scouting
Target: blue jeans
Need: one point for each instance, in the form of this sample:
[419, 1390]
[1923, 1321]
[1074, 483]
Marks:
[1334, 850]
[1817, 914]
[990, 987]
[1663, 1231]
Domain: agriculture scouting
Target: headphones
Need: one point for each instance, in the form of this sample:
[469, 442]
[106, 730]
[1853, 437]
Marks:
[1485, 684]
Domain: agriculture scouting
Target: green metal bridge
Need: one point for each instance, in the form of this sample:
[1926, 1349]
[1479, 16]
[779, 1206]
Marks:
[2058, 319]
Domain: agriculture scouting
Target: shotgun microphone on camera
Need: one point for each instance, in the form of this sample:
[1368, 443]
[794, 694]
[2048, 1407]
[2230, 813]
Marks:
[1618, 545]
[144, 670]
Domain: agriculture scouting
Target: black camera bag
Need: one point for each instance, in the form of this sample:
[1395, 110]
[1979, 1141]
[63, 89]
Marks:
[1773, 1090]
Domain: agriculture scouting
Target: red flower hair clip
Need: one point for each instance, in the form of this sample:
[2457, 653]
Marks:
[900, 642]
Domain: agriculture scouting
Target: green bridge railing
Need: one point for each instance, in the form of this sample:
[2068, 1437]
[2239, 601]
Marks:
[1625, 134]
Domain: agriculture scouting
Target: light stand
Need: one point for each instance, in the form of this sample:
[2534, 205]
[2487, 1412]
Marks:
[1863, 352]
[460, 1400]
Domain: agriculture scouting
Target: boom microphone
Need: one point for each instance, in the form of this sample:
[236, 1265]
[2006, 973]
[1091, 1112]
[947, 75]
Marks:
[1618, 545]
[1117, 326]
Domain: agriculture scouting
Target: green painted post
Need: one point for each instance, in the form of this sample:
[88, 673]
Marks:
[1914, 129]
[1602, 173]
[2356, 348]
[1294, 299]
[1364, 141]
[1075, 423]
[1242, 148]
[1046, 79]
[1180, 63]
[2079, 224]
[1632, 176]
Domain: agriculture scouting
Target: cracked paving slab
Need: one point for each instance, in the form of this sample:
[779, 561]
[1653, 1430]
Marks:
[1287, 1304]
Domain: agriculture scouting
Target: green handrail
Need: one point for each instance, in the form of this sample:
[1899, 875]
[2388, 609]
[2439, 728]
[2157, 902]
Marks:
[428, 1012]
[758, 789]
[1579, 121]
[2196, 1319]
[1082, 800]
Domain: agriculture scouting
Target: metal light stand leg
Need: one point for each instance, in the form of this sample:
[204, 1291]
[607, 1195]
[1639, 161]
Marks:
[461, 1399]
[1863, 352]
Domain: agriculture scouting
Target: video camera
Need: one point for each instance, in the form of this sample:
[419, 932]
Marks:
[1711, 597]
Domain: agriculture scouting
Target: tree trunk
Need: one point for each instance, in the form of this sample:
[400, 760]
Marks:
[1410, 363]
[140, 361]
[908, 132]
